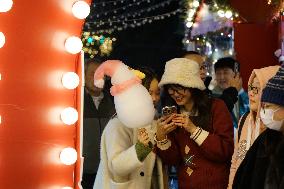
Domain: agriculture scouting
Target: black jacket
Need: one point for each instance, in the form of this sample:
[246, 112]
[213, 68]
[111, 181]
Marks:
[259, 163]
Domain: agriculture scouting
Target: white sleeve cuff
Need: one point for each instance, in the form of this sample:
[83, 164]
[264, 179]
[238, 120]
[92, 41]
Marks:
[166, 144]
[201, 138]
[129, 157]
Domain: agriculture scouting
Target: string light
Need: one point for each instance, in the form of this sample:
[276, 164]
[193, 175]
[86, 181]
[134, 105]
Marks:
[133, 23]
[137, 3]
[70, 80]
[125, 17]
[68, 156]
[5, 5]
[195, 4]
[189, 24]
[228, 14]
[69, 116]
[98, 45]
[2, 39]
[221, 13]
[81, 9]
[73, 45]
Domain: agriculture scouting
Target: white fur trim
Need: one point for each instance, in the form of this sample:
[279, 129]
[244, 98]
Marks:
[201, 138]
[164, 146]
[99, 83]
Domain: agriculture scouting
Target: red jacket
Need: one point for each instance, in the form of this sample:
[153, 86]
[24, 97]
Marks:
[210, 165]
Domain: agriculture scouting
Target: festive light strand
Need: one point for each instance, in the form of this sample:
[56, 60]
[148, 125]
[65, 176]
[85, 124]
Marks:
[114, 11]
[131, 14]
[137, 22]
[114, 2]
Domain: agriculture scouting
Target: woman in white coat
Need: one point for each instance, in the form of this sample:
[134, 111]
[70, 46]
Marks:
[127, 157]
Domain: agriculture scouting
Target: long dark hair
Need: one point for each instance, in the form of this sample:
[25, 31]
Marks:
[150, 75]
[201, 104]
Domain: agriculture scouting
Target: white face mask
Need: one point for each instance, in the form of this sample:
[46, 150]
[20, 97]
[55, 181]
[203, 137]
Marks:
[267, 119]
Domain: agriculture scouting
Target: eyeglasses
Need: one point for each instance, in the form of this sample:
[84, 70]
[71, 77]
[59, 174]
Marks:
[254, 89]
[178, 90]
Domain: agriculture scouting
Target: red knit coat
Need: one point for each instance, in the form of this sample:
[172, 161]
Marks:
[211, 161]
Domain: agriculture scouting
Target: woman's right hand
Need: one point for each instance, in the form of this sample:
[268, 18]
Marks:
[165, 126]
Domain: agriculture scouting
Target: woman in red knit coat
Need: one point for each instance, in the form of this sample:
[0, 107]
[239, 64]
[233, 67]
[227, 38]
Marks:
[199, 138]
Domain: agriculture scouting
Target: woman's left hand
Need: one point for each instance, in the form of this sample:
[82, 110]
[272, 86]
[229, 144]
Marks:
[184, 121]
[143, 136]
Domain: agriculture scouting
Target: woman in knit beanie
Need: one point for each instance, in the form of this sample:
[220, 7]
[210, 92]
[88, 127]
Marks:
[263, 166]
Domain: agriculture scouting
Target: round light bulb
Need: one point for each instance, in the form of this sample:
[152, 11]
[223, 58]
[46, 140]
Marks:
[81, 9]
[68, 156]
[190, 13]
[228, 14]
[5, 5]
[2, 39]
[70, 80]
[69, 116]
[189, 24]
[73, 45]
[195, 4]
[221, 13]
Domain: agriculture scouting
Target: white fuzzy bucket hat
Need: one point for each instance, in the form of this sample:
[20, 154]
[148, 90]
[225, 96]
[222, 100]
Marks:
[184, 72]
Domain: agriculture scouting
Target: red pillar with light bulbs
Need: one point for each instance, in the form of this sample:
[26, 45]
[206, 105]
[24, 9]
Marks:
[40, 146]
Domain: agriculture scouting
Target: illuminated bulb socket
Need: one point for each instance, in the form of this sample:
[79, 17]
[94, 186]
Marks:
[69, 116]
[81, 9]
[73, 45]
[2, 39]
[189, 24]
[5, 5]
[70, 80]
[221, 13]
[195, 4]
[228, 14]
[68, 156]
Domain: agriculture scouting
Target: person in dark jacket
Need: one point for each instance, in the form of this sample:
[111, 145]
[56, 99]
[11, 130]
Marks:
[98, 109]
[227, 70]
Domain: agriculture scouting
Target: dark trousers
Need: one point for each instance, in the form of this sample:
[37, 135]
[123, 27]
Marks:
[88, 180]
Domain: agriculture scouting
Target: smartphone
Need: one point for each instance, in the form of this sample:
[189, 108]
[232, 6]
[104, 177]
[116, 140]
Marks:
[168, 110]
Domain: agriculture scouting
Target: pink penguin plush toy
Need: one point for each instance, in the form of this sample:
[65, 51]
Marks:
[133, 103]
